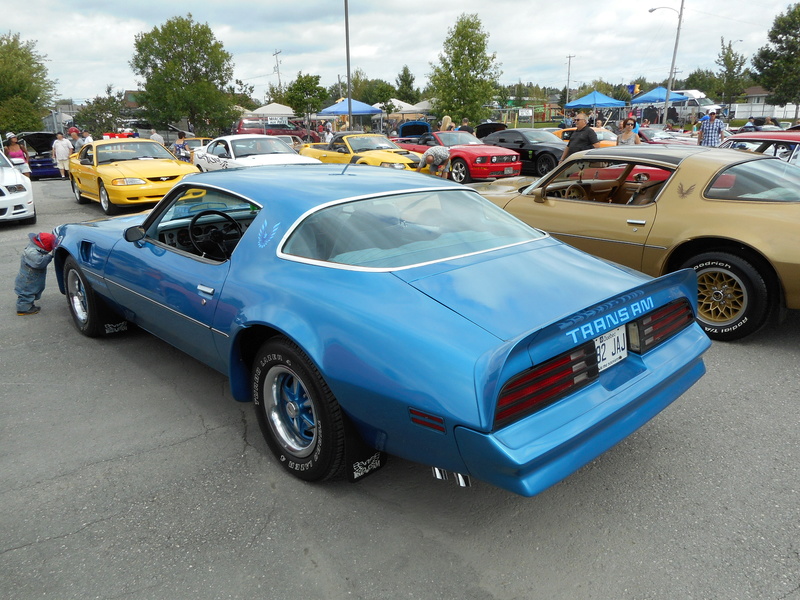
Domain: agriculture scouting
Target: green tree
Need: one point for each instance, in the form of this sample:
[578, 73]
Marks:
[23, 74]
[103, 113]
[358, 85]
[305, 95]
[380, 92]
[465, 79]
[242, 95]
[732, 75]
[17, 114]
[777, 65]
[701, 79]
[405, 86]
[186, 72]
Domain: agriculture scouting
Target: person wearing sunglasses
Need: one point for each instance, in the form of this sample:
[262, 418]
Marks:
[628, 135]
[583, 138]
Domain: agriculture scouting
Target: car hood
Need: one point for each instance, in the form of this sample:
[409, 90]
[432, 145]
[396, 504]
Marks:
[147, 168]
[491, 293]
[12, 177]
[257, 160]
[40, 141]
[394, 155]
[482, 149]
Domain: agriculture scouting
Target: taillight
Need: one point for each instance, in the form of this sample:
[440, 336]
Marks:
[537, 387]
[659, 325]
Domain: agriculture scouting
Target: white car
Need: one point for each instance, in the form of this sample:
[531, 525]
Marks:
[16, 194]
[232, 151]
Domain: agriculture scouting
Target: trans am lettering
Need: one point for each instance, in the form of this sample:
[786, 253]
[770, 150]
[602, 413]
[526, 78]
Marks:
[591, 329]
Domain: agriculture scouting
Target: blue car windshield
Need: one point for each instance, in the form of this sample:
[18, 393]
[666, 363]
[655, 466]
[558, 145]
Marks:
[405, 230]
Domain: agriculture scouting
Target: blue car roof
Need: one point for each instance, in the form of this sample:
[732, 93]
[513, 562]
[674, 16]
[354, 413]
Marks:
[308, 186]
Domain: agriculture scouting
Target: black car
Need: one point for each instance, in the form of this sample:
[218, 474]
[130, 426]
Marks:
[40, 146]
[539, 150]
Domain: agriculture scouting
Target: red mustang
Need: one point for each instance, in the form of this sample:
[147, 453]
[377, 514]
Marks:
[469, 157]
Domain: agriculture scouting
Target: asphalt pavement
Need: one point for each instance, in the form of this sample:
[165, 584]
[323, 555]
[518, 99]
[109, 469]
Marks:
[127, 471]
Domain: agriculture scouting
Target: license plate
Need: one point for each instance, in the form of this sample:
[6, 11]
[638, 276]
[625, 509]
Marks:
[611, 348]
[508, 170]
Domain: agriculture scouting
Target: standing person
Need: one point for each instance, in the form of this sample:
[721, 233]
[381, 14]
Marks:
[437, 159]
[447, 123]
[710, 131]
[628, 135]
[181, 148]
[583, 138]
[75, 140]
[62, 148]
[156, 137]
[465, 126]
[14, 150]
[32, 275]
[87, 137]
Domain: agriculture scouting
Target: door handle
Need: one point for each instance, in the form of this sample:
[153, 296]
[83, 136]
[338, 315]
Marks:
[204, 289]
[637, 223]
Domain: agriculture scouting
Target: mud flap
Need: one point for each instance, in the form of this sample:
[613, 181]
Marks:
[361, 459]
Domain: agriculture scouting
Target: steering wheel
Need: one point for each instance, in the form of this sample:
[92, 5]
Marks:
[211, 244]
[575, 192]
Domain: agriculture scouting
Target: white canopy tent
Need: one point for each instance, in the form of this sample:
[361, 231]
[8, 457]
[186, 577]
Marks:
[274, 110]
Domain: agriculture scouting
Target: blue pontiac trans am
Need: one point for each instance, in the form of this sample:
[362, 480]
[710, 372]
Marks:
[367, 312]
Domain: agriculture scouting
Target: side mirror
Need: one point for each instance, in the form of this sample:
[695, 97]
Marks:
[225, 155]
[537, 195]
[86, 161]
[134, 234]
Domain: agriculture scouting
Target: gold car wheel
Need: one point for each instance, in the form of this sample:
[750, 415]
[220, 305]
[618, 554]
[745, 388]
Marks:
[721, 296]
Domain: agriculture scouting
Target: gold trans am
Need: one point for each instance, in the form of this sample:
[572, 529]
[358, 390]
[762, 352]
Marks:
[362, 149]
[733, 218]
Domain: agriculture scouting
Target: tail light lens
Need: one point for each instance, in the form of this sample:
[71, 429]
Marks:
[550, 381]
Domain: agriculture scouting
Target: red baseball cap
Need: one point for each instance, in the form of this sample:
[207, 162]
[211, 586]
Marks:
[45, 241]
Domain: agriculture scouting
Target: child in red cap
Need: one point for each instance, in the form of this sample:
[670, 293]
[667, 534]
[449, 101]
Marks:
[30, 281]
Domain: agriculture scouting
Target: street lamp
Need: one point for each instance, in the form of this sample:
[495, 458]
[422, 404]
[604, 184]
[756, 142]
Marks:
[674, 54]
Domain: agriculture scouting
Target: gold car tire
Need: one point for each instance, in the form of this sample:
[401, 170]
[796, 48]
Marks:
[733, 297]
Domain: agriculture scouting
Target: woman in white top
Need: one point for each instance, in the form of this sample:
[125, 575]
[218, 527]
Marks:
[628, 135]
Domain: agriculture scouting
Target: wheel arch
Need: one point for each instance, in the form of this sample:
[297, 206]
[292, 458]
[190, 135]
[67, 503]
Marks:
[694, 247]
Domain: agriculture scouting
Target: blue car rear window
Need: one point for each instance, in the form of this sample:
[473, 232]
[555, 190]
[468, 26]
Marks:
[406, 229]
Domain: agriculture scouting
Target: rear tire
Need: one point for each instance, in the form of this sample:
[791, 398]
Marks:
[299, 417]
[76, 191]
[544, 164]
[733, 298]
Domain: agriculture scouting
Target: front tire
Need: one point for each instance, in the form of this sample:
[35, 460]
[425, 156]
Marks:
[86, 309]
[460, 172]
[733, 298]
[298, 414]
[105, 202]
[544, 164]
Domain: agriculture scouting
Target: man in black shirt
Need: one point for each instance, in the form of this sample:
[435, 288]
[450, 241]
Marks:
[465, 125]
[583, 138]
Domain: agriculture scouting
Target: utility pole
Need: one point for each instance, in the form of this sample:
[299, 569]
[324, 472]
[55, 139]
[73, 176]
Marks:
[277, 66]
[569, 68]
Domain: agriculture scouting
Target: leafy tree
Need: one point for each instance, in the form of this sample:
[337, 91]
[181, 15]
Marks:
[23, 74]
[17, 114]
[701, 79]
[405, 86]
[103, 113]
[358, 85]
[274, 93]
[465, 79]
[305, 95]
[777, 65]
[242, 95]
[732, 75]
[380, 92]
[186, 72]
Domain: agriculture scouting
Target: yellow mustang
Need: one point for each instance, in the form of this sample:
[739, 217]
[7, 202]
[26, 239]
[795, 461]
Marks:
[124, 171]
[362, 149]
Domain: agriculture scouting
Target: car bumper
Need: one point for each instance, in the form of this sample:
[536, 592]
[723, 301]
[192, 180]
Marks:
[542, 449]
[17, 206]
[487, 170]
[139, 194]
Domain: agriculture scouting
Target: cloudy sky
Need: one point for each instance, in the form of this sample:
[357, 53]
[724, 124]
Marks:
[89, 43]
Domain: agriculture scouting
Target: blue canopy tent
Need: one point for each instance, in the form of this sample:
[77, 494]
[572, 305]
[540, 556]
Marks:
[657, 95]
[357, 108]
[594, 100]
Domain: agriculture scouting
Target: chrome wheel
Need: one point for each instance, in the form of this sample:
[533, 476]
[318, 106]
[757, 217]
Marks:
[290, 411]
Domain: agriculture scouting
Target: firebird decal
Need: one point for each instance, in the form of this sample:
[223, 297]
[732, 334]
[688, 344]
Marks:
[683, 193]
[264, 236]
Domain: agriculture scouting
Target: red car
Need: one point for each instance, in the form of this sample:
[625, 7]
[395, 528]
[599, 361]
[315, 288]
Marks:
[469, 157]
[273, 126]
[783, 144]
